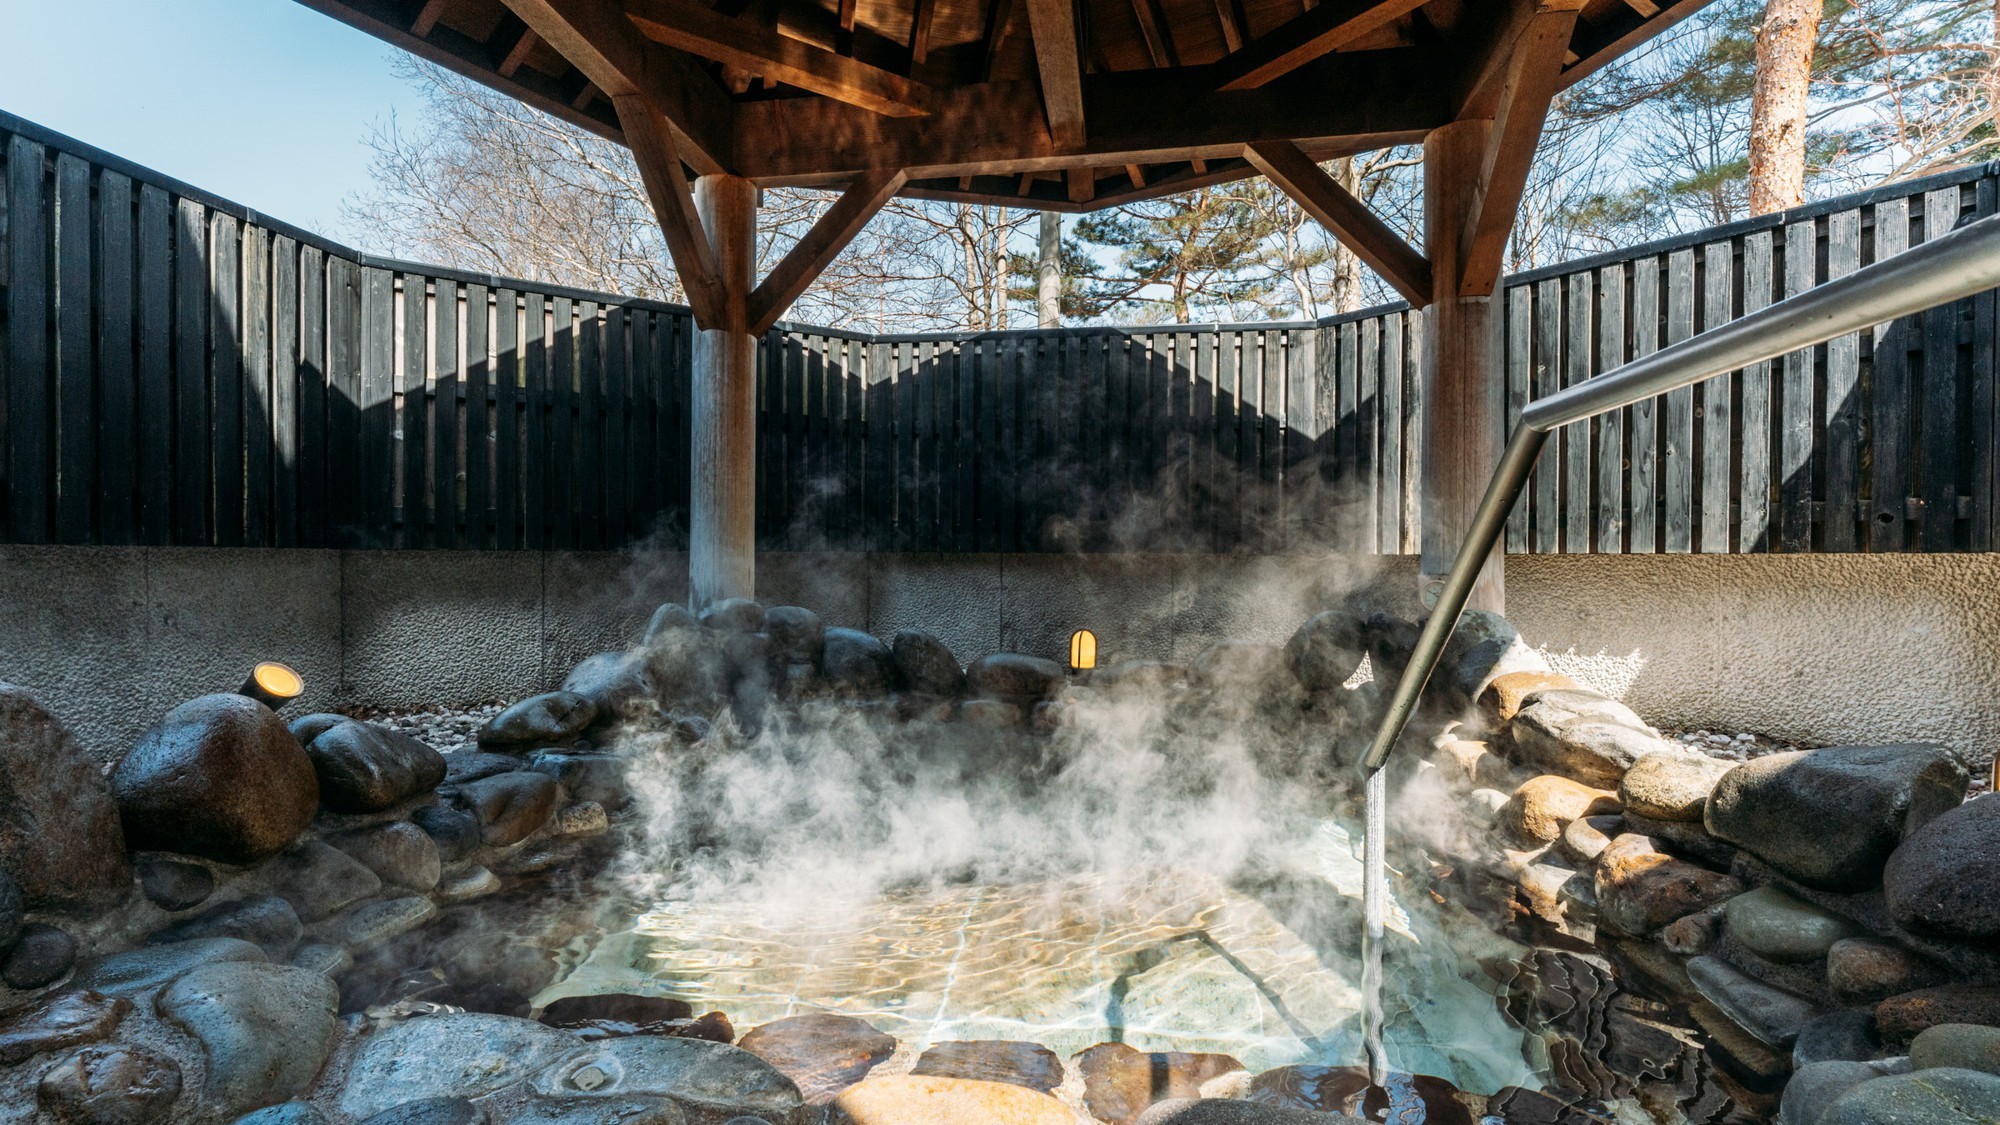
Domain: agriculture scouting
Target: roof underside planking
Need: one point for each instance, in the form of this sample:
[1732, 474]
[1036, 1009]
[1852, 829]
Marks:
[1055, 104]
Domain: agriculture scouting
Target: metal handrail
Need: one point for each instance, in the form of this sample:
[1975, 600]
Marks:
[1955, 265]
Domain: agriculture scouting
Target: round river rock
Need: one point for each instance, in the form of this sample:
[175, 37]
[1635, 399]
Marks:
[219, 777]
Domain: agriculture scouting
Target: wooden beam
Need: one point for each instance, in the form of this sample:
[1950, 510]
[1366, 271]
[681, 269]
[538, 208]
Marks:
[1136, 174]
[1156, 32]
[920, 31]
[1533, 76]
[1053, 25]
[1304, 38]
[999, 14]
[761, 50]
[597, 39]
[1350, 220]
[517, 55]
[1232, 24]
[652, 144]
[1602, 47]
[821, 244]
[1082, 184]
[427, 17]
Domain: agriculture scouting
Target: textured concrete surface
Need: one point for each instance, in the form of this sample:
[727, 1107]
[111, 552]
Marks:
[1822, 648]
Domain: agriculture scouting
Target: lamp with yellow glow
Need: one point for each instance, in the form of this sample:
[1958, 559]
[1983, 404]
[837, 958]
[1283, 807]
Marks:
[1082, 650]
[272, 684]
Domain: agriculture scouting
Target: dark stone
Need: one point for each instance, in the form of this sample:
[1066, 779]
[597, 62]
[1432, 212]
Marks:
[690, 729]
[822, 1053]
[364, 768]
[587, 777]
[1483, 647]
[289, 1113]
[399, 853]
[142, 970]
[1900, 1018]
[994, 1060]
[1816, 1086]
[110, 1085]
[1773, 1015]
[1327, 650]
[734, 615]
[857, 665]
[1014, 677]
[173, 885]
[60, 836]
[1866, 970]
[596, 1110]
[305, 728]
[797, 634]
[1843, 1036]
[455, 830]
[1830, 818]
[472, 765]
[553, 718]
[670, 618]
[221, 778]
[619, 684]
[266, 1030]
[1228, 1111]
[1120, 1081]
[1943, 1096]
[1641, 889]
[67, 1021]
[924, 664]
[265, 920]
[430, 1111]
[317, 879]
[1346, 1089]
[511, 806]
[1689, 840]
[40, 956]
[1945, 878]
[13, 911]
[616, 1008]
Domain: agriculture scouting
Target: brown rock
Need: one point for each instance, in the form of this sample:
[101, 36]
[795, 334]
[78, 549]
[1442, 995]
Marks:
[822, 1053]
[59, 833]
[1691, 936]
[1503, 697]
[925, 1100]
[1541, 808]
[1640, 888]
[1672, 785]
[1900, 1018]
[68, 1020]
[1865, 970]
[110, 1085]
[569, 1011]
[1119, 1081]
[511, 806]
[1346, 1090]
[1586, 837]
[994, 1060]
[219, 777]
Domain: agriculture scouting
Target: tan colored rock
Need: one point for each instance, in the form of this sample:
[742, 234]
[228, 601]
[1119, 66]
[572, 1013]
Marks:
[1543, 806]
[1586, 837]
[1672, 785]
[1470, 764]
[1503, 697]
[1120, 1081]
[1641, 889]
[921, 1100]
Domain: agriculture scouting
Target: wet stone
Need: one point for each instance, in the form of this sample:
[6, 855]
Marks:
[399, 853]
[510, 806]
[267, 920]
[464, 886]
[618, 684]
[614, 1007]
[471, 765]
[993, 1060]
[1347, 1090]
[377, 922]
[1328, 649]
[266, 1029]
[670, 618]
[857, 665]
[77, 858]
[322, 958]
[1945, 878]
[797, 634]
[40, 956]
[1225, 1111]
[1815, 1086]
[430, 1111]
[460, 1054]
[1773, 924]
[1843, 1036]
[1962, 1046]
[365, 768]
[1774, 1016]
[1864, 970]
[1901, 1018]
[598, 777]
[734, 615]
[925, 665]
[712, 1081]
[455, 830]
[1693, 933]
[585, 818]
[72, 1019]
[182, 787]
[603, 1111]
[1830, 818]
[1640, 889]
[1119, 1081]
[13, 911]
[906, 1099]
[1671, 785]
[1543, 806]
[821, 1052]
[551, 719]
[109, 1085]
[1926, 1097]
[141, 970]
[1014, 677]
[990, 714]
[174, 885]
[316, 878]
[286, 1113]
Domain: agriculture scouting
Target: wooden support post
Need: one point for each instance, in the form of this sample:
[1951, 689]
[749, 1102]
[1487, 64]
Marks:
[722, 517]
[1464, 410]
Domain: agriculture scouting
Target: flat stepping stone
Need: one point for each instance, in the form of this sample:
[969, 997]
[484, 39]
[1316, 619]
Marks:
[922, 1100]
[824, 1053]
[1030, 1065]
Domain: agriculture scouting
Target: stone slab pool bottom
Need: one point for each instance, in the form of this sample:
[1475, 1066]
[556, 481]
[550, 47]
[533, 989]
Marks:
[1168, 960]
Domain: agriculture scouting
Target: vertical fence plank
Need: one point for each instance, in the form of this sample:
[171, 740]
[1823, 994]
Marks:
[642, 444]
[1939, 441]
[29, 298]
[1643, 535]
[1611, 466]
[614, 407]
[1413, 432]
[191, 430]
[508, 487]
[117, 438]
[416, 412]
[1754, 526]
[478, 418]
[378, 405]
[1577, 356]
[1677, 434]
[1714, 417]
[1546, 488]
[97, 496]
[563, 501]
[343, 412]
[225, 377]
[285, 313]
[1842, 515]
[1519, 361]
[1389, 497]
[155, 372]
[1796, 405]
[535, 394]
[312, 396]
[1888, 433]
[1982, 416]
[445, 371]
[257, 406]
[587, 460]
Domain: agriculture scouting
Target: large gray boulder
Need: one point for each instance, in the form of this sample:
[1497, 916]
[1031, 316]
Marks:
[266, 1029]
[1830, 818]
[1771, 1014]
[1816, 1086]
[60, 837]
[714, 1081]
[555, 718]
[1774, 925]
[456, 1055]
[619, 684]
[925, 664]
[856, 664]
[1581, 735]
[364, 768]
[142, 970]
[219, 777]
[1944, 879]
[1014, 677]
[1328, 649]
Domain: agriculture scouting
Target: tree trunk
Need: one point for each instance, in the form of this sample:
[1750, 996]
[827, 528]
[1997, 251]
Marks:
[1778, 104]
[1346, 264]
[1048, 272]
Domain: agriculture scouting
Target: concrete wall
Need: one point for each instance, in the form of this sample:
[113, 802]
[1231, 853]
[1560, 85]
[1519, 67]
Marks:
[1828, 648]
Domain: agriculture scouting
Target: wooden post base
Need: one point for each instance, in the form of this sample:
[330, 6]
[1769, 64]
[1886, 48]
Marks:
[722, 509]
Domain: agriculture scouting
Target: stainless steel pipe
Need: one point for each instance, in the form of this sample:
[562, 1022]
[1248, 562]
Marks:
[1956, 265]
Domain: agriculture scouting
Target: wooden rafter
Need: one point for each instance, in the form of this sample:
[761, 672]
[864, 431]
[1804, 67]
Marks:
[1304, 38]
[1231, 19]
[999, 13]
[761, 50]
[921, 18]
[1603, 47]
[1533, 76]
[518, 53]
[1081, 183]
[427, 17]
[821, 244]
[1350, 220]
[1154, 30]
[659, 163]
[1053, 25]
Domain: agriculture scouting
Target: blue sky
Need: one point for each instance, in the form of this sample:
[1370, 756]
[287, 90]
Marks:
[264, 102]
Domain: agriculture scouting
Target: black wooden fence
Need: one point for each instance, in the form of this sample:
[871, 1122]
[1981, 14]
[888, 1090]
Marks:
[179, 370]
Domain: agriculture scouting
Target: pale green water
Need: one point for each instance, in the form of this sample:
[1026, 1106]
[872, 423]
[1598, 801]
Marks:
[1165, 961]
